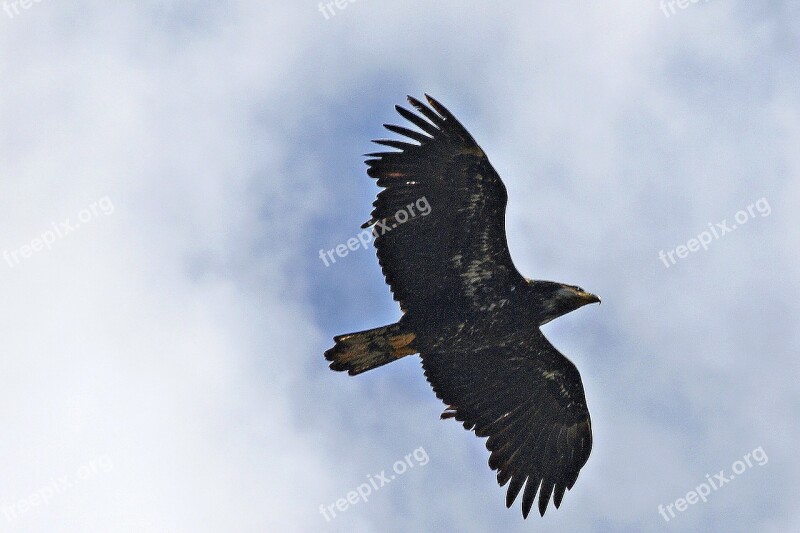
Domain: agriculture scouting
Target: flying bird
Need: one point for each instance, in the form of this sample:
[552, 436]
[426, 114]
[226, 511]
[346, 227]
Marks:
[472, 317]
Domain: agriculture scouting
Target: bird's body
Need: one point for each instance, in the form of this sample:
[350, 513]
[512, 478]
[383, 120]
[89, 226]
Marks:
[467, 310]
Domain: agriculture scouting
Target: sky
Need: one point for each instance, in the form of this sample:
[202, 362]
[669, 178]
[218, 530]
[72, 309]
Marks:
[170, 172]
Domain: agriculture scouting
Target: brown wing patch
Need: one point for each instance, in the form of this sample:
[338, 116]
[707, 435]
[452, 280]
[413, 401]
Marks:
[401, 344]
[473, 150]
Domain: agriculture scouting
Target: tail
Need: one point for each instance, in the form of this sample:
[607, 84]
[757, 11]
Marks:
[365, 350]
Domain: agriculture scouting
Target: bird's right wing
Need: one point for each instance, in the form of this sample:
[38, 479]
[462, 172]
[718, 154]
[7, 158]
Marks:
[528, 399]
[440, 221]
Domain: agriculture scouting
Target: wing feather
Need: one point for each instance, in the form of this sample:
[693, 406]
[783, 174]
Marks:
[419, 122]
[411, 134]
[529, 400]
[455, 255]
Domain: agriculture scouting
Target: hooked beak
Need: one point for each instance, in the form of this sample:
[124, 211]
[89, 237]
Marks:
[589, 298]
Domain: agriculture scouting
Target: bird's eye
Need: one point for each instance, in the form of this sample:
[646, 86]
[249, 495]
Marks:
[579, 289]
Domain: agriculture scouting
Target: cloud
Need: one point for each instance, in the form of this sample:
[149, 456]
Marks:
[181, 336]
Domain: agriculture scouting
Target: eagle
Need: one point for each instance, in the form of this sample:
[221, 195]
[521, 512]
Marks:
[470, 315]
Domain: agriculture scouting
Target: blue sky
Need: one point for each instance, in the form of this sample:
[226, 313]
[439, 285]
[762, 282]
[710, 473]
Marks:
[169, 172]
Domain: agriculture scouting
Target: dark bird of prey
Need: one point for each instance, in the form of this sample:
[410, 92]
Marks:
[468, 312]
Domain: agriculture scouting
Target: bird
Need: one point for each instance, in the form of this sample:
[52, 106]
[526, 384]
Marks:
[438, 226]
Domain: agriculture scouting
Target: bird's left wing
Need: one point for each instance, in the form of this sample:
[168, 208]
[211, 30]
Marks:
[528, 399]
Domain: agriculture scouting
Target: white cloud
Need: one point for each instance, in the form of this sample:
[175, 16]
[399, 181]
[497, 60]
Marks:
[182, 334]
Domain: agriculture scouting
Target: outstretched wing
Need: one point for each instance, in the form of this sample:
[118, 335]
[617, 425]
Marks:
[440, 222]
[528, 399]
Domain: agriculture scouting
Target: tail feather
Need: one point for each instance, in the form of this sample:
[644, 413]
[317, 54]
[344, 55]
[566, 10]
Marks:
[365, 350]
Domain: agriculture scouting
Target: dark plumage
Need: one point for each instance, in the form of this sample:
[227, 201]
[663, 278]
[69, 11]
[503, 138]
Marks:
[467, 310]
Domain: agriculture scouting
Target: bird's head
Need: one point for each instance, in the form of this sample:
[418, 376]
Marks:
[557, 299]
